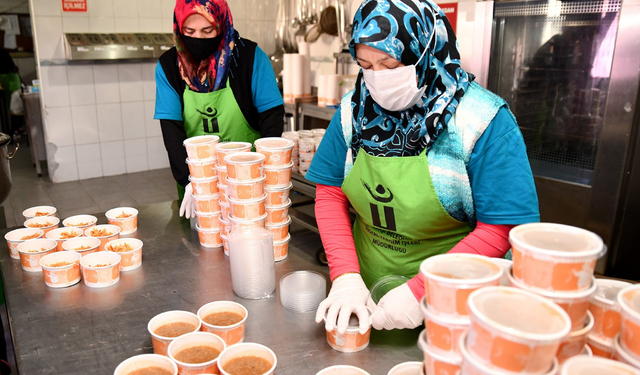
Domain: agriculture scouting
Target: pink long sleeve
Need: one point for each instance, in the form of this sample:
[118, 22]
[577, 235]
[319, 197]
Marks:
[332, 216]
[487, 239]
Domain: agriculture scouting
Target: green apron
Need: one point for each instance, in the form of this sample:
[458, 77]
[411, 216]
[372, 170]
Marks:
[400, 221]
[215, 113]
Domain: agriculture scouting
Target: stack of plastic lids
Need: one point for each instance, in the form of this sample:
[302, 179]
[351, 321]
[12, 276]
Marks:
[302, 291]
[252, 264]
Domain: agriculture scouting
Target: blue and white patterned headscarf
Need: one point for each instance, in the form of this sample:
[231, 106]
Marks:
[402, 29]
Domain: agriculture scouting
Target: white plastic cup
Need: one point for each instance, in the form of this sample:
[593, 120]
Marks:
[32, 251]
[130, 260]
[201, 147]
[14, 238]
[97, 275]
[82, 245]
[80, 221]
[128, 224]
[37, 211]
[248, 349]
[64, 275]
[196, 339]
[46, 223]
[252, 263]
[144, 361]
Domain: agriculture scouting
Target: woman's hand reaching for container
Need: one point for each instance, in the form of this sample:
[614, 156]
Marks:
[398, 309]
[186, 208]
[348, 296]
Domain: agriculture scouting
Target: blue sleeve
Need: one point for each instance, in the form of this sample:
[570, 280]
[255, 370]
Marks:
[264, 87]
[168, 104]
[500, 175]
[327, 166]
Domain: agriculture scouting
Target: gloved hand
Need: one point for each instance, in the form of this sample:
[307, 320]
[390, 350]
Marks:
[186, 208]
[398, 309]
[348, 295]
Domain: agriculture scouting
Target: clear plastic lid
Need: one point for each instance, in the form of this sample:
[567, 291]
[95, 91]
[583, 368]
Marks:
[608, 289]
[303, 282]
[274, 142]
[584, 365]
[631, 298]
[557, 237]
[462, 267]
[244, 157]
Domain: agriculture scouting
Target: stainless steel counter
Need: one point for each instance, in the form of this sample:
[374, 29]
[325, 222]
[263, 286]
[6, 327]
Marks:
[79, 330]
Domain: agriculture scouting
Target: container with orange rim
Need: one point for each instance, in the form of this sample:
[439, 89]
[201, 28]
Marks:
[39, 211]
[622, 355]
[555, 257]
[280, 231]
[209, 237]
[124, 217]
[629, 301]
[450, 278]
[192, 340]
[277, 195]
[278, 175]
[82, 245]
[204, 186]
[18, 236]
[605, 310]
[46, 223]
[237, 223]
[146, 361]
[61, 269]
[407, 368]
[244, 166]
[599, 347]
[248, 208]
[103, 232]
[585, 365]
[184, 318]
[247, 350]
[80, 221]
[225, 210]
[281, 248]
[207, 203]
[436, 361]
[202, 168]
[221, 173]
[226, 148]
[60, 235]
[515, 330]
[576, 304]
[278, 214]
[32, 251]
[506, 265]
[231, 334]
[225, 243]
[209, 220]
[201, 147]
[573, 344]
[352, 340]
[443, 332]
[247, 189]
[225, 225]
[277, 150]
[342, 370]
[130, 250]
[101, 269]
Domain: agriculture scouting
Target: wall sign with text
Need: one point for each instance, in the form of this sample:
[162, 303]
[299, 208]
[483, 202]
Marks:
[74, 5]
[451, 11]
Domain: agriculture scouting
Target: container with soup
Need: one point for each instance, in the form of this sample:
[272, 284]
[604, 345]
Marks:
[166, 326]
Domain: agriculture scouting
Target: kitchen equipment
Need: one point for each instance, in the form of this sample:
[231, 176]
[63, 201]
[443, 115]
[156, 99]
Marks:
[5, 170]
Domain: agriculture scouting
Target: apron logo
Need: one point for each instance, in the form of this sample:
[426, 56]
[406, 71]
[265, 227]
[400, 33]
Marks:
[209, 118]
[380, 195]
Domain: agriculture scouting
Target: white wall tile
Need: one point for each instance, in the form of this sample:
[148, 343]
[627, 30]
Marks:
[133, 122]
[85, 124]
[106, 79]
[49, 44]
[158, 157]
[109, 122]
[113, 161]
[75, 24]
[130, 77]
[62, 164]
[89, 161]
[239, 25]
[238, 9]
[152, 126]
[100, 8]
[58, 126]
[47, 7]
[136, 155]
[149, 81]
[81, 86]
[265, 35]
[127, 25]
[102, 24]
[125, 8]
[167, 8]
[151, 25]
[149, 8]
[269, 10]
[55, 86]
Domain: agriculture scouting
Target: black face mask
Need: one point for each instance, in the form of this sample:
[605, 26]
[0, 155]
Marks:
[201, 48]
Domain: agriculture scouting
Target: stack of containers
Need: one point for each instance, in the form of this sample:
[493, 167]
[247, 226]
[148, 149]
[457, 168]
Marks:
[606, 316]
[317, 136]
[201, 159]
[627, 343]
[307, 147]
[295, 154]
[277, 168]
[557, 262]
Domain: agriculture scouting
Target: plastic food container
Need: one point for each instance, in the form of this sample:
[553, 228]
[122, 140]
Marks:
[302, 291]
[281, 249]
[383, 285]
[246, 189]
[606, 313]
[278, 175]
[506, 265]
[245, 350]
[244, 166]
[277, 151]
[225, 225]
[103, 232]
[443, 332]
[61, 269]
[306, 157]
[209, 220]
[278, 214]
[436, 362]
[39, 211]
[144, 361]
[131, 255]
[15, 238]
[204, 186]
[202, 168]
[574, 343]
[248, 208]
[600, 348]
[32, 251]
[555, 257]
[515, 330]
[225, 209]
[226, 148]
[191, 340]
[450, 278]
[101, 269]
[585, 365]
[63, 234]
[238, 223]
[161, 343]
[342, 370]
[124, 217]
[209, 237]
[80, 221]
[351, 341]
[207, 203]
[46, 223]
[629, 301]
[407, 368]
[277, 195]
[225, 243]
[221, 172]
[621, 354]
[82, 245]
[231, 334]
[280, 231]
[201, 147]
[576, 304]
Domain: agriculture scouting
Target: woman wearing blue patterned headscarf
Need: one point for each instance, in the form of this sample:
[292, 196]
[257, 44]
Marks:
[431, 162]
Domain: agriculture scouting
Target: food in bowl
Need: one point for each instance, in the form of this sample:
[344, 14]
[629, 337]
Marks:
[101, 265]
[68, 235]
[39, 213]
[197, 354]
[174, 329]
[95, 232]
[152, 370]
[249, 365]
[40, 225]
[224, 318]
[120, 248]
[82, 248]
[35, 235]
[35, 250]
[123, 215]
[59, 264]
[79, 224]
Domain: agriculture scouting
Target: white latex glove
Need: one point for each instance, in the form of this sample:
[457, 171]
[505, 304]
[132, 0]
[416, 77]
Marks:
[398, 309]
[348, 295]
[186, 208]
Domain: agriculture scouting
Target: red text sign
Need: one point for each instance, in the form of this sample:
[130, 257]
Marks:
[451, 11]
[74, 5]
